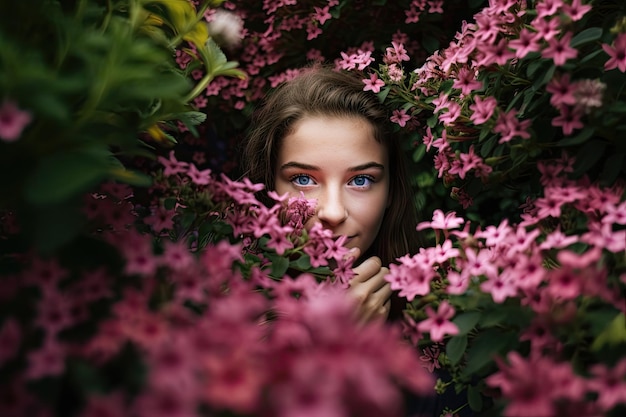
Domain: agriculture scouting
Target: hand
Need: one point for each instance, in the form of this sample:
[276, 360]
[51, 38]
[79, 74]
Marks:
[369, 288]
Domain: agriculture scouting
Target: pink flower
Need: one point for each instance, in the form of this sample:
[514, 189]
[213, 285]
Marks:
[313, 31]
[438, 323]
[526, 42]
[430, 357]
[176, 255]
[12, 121]
[546, 28]
[520, 383]
[617, 54]
[234, 380]
[111, 405]
[10, 340]
[442, 221]
[569, 119]
[466, 81]
[499, 287]
[400, 117]
[395, 54]
[411, 278]
[453, 113]
[44, 273]
[576, 10]
[609, 383]
[279, 239]
[298, 211]
[562, 91]
[480, 262]
[322, 14]
[445, 251]
[172, 165]
[48, 360]
[509, 126]
[198, 177]
[482, 109]
[498, 53]
[560, 50]
[160, 219]
[374, 84]
[164, 403]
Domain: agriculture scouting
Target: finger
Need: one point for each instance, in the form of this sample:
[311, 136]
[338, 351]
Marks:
[384, 292]
[373, 293]
[369, 268]
[373, 283]
[369, 313]
[384, 309]
[353, 253]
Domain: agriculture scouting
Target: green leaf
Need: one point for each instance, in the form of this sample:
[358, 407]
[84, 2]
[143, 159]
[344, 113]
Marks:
[130, 177]
[455, 348]
[279, 265]
[467, 321]
[430, 43]
[474, 398]
[485, 347]
[613, 334]
[581, 137]
[63, 175]
[51, 226]
[382, 95]
[586, 36]
[534, 66]
[590, 153]
[169, 203]
[418, 154]
[303, 263]
[612, 167]
[547, 76]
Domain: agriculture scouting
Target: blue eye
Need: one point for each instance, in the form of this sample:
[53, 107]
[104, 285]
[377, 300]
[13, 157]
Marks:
[302, 180]
[362, 181]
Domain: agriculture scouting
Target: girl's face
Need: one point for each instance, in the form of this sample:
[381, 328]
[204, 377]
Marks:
[338, 162]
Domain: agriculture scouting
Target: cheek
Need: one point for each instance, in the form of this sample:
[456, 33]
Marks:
[371, 211]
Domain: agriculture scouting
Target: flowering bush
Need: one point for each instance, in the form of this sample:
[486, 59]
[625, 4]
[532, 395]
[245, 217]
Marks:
[522, 81]
[523, 111]
[75, 97]
[183, 295]
[196, 317]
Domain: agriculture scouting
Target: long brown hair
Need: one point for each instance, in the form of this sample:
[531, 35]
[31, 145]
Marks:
[321, 91]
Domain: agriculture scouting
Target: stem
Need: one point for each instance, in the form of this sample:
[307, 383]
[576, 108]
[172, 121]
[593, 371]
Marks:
[107, 17]
[80, 9]
[204, 82]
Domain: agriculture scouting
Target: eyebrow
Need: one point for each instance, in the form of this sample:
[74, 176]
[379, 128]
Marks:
[308, 167]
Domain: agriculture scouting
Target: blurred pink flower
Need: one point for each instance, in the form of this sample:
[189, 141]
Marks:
[617, 53]
[12, 121]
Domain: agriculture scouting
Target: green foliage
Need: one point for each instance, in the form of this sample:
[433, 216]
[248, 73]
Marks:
[101, 84]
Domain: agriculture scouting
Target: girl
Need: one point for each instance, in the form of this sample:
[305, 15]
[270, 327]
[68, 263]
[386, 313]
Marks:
[322, 135]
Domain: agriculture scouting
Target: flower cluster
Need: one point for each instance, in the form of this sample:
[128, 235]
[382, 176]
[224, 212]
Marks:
[184, 305]
[519, 82]
[548, 294]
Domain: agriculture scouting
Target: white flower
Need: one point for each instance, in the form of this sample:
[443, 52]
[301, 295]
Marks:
[226, 28]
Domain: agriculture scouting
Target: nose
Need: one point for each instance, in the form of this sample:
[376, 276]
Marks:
[331, 209]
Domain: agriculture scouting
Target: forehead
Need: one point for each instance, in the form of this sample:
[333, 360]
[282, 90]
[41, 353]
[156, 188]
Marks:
[348, 139]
